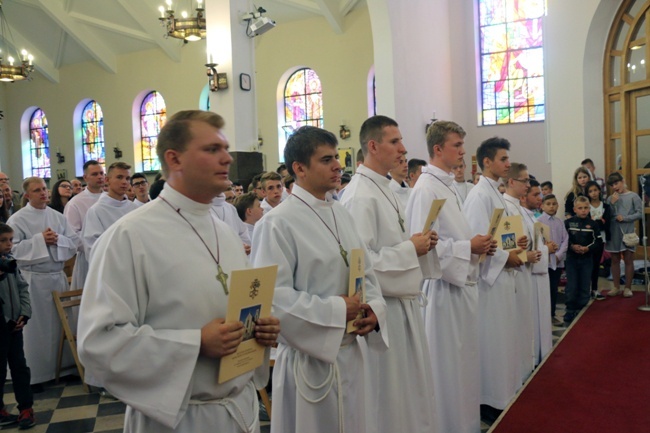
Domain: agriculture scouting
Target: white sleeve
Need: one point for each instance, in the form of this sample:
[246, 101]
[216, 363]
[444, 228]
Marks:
[417, 211]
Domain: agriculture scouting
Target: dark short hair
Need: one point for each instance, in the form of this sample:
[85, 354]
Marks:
[547, 183]
[89, 163]
[5, 228]
[288, 180]
[372, 129]
[533, 183]
[593, 183]
[414, 163]
[345, 178]
[587, 161]
[360, 157]
[489, 148]
[614, 177]
[549, 197]
[302, 144]
[156, 187]
[243, 202]
[138, 176]
[281, 167]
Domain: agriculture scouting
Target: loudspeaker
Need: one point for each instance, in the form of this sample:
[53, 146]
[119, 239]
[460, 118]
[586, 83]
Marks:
[244, 166]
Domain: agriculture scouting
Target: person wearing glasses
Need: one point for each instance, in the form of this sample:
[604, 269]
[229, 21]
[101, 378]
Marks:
[61, 194]
[11, 197]
[140, 185]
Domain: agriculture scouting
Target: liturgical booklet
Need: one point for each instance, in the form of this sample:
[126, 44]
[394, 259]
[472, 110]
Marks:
[510, 229]
[434, 211]
[494, 224]
[357, 282]
[251, 295]
[542, 235]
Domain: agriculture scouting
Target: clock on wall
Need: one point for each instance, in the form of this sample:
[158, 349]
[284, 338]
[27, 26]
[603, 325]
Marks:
[245, 81]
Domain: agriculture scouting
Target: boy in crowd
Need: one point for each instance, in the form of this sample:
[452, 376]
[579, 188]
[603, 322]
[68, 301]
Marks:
[288, 182]
[560, 238]
[415, 170]
[140, 186]
[272, 187]
[16, 311]
[582, 242]
[249, 210]
[547, 188]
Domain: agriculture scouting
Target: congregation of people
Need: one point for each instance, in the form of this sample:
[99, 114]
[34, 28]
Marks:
[450, 328]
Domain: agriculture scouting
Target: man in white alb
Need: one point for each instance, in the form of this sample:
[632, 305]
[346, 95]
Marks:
[43, 241]
[75, 213]
[399, 180]
[402, 386]
[140, 186]
[498, 354]
[318, 379]
[151, 325]
[462, 187]
[451, 311]
[110, 207]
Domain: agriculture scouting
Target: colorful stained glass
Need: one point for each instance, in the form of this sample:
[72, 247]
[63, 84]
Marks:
[153, 114]
[512, 60]
[39, 149]
[92, 133]
[303, 100]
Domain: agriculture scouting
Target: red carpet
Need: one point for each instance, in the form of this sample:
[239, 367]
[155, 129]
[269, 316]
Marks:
[597, 379]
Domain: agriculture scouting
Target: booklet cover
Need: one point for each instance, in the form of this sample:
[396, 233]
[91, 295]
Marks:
[434, 211]
[251, 296]
[494, 224]
[510, 229]
[542, 235]
[357, 282]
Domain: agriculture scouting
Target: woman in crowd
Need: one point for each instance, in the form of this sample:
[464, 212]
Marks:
[61, 194]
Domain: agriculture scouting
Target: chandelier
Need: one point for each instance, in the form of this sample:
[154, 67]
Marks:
[10, 72]
[187, 28]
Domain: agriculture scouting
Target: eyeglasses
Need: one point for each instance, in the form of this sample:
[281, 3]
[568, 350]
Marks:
[527, 180]
[137, 184]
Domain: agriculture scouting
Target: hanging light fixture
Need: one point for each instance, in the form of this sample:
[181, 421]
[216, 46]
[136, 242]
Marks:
[187, 28]
[8, 71]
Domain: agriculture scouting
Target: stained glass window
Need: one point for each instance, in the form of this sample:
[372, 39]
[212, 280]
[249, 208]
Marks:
[153, 114]
[39, 146]
[92, 133]
[512, 61]
[303, 101]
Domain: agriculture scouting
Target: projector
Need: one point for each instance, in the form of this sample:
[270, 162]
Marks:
[261, 25]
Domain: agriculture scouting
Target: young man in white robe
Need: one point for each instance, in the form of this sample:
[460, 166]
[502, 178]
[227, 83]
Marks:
[517, 184]
[541, 299]
[140, 186]
[75, 212]
[451, 311]
[498, 349]
[399, 180]
[249, 210]
[151, 325]
[110, 207]
[402, 388]
[273, 190]
[318, 379]
[227, 213]
[460, 185]
[43, 241]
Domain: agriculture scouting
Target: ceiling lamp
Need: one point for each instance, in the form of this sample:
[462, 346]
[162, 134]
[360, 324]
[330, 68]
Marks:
[8, 71]
[188, 28]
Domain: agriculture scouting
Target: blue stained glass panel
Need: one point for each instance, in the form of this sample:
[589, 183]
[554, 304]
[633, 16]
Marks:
[39, 146]
[153, 115]
[92, 133]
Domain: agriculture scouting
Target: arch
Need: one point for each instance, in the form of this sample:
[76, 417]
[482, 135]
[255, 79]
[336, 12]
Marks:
[300, 103]
[371, 86]
[149, 113]
[35, 144]
[89, 141]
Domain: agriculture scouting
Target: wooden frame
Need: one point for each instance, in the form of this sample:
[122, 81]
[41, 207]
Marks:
[63, 300]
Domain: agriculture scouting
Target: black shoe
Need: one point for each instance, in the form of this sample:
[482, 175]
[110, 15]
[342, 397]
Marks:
[597, 296]
[26, 419]
[490, 414]
[7, 419]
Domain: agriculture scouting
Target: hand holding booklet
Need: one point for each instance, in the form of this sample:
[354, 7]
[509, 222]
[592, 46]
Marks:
[251, 296]
[356, 283]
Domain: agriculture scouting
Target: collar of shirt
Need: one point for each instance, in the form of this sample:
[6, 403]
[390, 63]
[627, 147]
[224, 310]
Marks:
[446, 178]
[310, 199]
[381, 180]
[184, 203]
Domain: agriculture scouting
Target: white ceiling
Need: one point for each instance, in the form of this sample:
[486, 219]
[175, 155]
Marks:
[65, 32]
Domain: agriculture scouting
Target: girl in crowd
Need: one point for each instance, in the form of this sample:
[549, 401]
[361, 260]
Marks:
[61, 194]
[601, 214]
[580, 179]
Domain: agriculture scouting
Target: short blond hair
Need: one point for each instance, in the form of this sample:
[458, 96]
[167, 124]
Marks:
[30, 180]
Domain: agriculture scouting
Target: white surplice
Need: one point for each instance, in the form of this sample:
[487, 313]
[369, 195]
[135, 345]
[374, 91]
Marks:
[228, 214]
[75, 212]
[541, 299]
[401, 382]
[101, 216]
[401, 191]
[451, 312]
[42, 267]
[462, 189]
[499, 356]
[313, 346]
[150, 289]
[524, 297]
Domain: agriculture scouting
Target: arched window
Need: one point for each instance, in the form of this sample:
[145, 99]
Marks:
[627, 94]
[153, 114]
[512, 61]
[92, 133]
[303, 102]
[39, 145]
